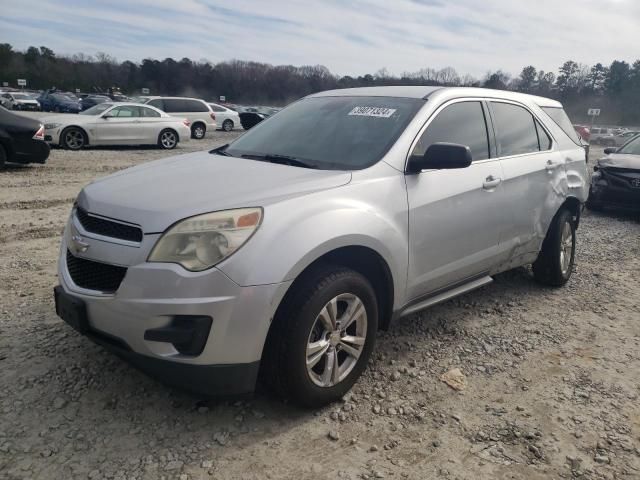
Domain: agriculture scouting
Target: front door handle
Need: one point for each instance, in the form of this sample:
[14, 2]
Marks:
[491, 182]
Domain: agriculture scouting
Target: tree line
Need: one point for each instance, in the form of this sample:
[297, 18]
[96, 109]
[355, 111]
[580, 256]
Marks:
[615, 88]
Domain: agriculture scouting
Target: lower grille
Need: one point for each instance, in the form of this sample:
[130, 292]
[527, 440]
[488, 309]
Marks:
[94, 275]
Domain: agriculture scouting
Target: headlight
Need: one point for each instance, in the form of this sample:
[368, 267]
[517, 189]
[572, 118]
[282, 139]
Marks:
[51, 126]
[200, 242]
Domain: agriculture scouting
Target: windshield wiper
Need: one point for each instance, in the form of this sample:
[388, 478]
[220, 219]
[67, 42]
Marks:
[280, 159]
[221, 150]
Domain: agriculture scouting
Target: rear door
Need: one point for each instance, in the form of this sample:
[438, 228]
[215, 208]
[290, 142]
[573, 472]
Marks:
[455, 216]
[533, 177]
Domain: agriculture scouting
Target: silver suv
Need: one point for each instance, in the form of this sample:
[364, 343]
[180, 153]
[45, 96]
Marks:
[281, 254]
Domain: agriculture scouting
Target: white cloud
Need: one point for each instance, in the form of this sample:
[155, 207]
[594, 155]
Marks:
[349, 37]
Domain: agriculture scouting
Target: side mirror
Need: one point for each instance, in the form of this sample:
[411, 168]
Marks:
[610, 150]
[107, 116]
[441, 156]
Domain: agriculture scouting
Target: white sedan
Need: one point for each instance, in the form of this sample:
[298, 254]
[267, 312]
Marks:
[116, 123]
[226, 118]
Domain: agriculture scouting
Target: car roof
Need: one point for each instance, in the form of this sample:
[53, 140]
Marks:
[440, 93]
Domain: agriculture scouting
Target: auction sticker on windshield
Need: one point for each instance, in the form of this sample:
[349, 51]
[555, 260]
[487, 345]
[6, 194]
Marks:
[380, 112]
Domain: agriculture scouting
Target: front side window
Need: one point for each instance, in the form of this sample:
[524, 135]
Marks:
[125, 112]
[216, 108]
[332, 133]
[515, 130]
[462, 123]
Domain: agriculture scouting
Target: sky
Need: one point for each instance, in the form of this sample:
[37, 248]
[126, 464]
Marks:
[350, 37]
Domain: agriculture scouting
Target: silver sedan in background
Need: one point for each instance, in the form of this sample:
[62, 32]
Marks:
[117, 123]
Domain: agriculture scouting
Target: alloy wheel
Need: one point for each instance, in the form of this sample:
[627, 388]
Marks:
[336, 340]
[74, 139]
[168, 139]
[566, 248]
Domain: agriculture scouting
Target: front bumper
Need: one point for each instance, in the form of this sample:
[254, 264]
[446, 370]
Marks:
[614, 191]
[152, 295]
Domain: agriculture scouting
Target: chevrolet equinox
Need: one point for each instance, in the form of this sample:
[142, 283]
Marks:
[280, 255]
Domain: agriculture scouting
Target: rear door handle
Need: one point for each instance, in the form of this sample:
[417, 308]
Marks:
[491, 182]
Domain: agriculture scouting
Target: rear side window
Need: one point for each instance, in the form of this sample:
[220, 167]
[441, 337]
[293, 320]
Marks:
[561, 118]
[515, 130]
[544, 139]
[158, 103]
[462, 123]
[148, 112]
[183, 105]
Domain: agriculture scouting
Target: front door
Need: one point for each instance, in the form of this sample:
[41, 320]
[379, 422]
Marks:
[455, 216]
[120, 126]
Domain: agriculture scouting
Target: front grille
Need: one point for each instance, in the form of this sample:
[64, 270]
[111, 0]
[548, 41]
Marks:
[94, 275]
[108, 228]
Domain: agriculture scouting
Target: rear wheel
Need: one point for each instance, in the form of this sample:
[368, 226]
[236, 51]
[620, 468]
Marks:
[73, 138]
[554, 264]
[168, 139]
[198, 130]
[227, 125]
[322, 337]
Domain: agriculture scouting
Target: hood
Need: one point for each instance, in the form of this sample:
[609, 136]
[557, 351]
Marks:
[26, 101]
[157, 194]
[620, 160]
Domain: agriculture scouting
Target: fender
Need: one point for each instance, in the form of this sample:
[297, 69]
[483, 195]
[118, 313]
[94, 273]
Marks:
[296, 232]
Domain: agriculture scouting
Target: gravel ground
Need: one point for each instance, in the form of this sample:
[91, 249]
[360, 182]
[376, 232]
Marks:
[550, 388]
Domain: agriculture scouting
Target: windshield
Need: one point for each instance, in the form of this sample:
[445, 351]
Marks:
[97, 109]
[632, 147]
[332, 133]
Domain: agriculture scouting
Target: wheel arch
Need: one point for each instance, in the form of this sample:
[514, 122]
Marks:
[364, 260]
[574, 206]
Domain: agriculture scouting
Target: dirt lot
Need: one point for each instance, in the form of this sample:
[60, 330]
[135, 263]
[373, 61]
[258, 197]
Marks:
[552, 384]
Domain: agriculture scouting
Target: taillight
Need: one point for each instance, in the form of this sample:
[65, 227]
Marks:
[186, 123]
[39, 134]
[213, 116]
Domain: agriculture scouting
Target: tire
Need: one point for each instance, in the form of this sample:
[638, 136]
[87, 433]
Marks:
[554, 264]
[198, 130]
[73, 138]
[227, 125]
[299, 324]
[57, 109]
[3, 156]
[168, 139]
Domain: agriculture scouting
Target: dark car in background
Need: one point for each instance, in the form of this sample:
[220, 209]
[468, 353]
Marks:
[89, 101]
[21, 139]
[615, 182]
[59, 102]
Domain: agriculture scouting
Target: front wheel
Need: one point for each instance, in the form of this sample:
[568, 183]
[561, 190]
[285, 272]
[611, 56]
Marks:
[227, 125]
[554, 264]
[73, 138]
[322, 337]
[168, 139]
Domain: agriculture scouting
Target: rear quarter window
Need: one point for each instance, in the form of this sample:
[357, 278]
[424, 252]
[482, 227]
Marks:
[560, 117]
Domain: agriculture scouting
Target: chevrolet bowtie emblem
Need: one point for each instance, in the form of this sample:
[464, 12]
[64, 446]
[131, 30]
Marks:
[79, 243]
